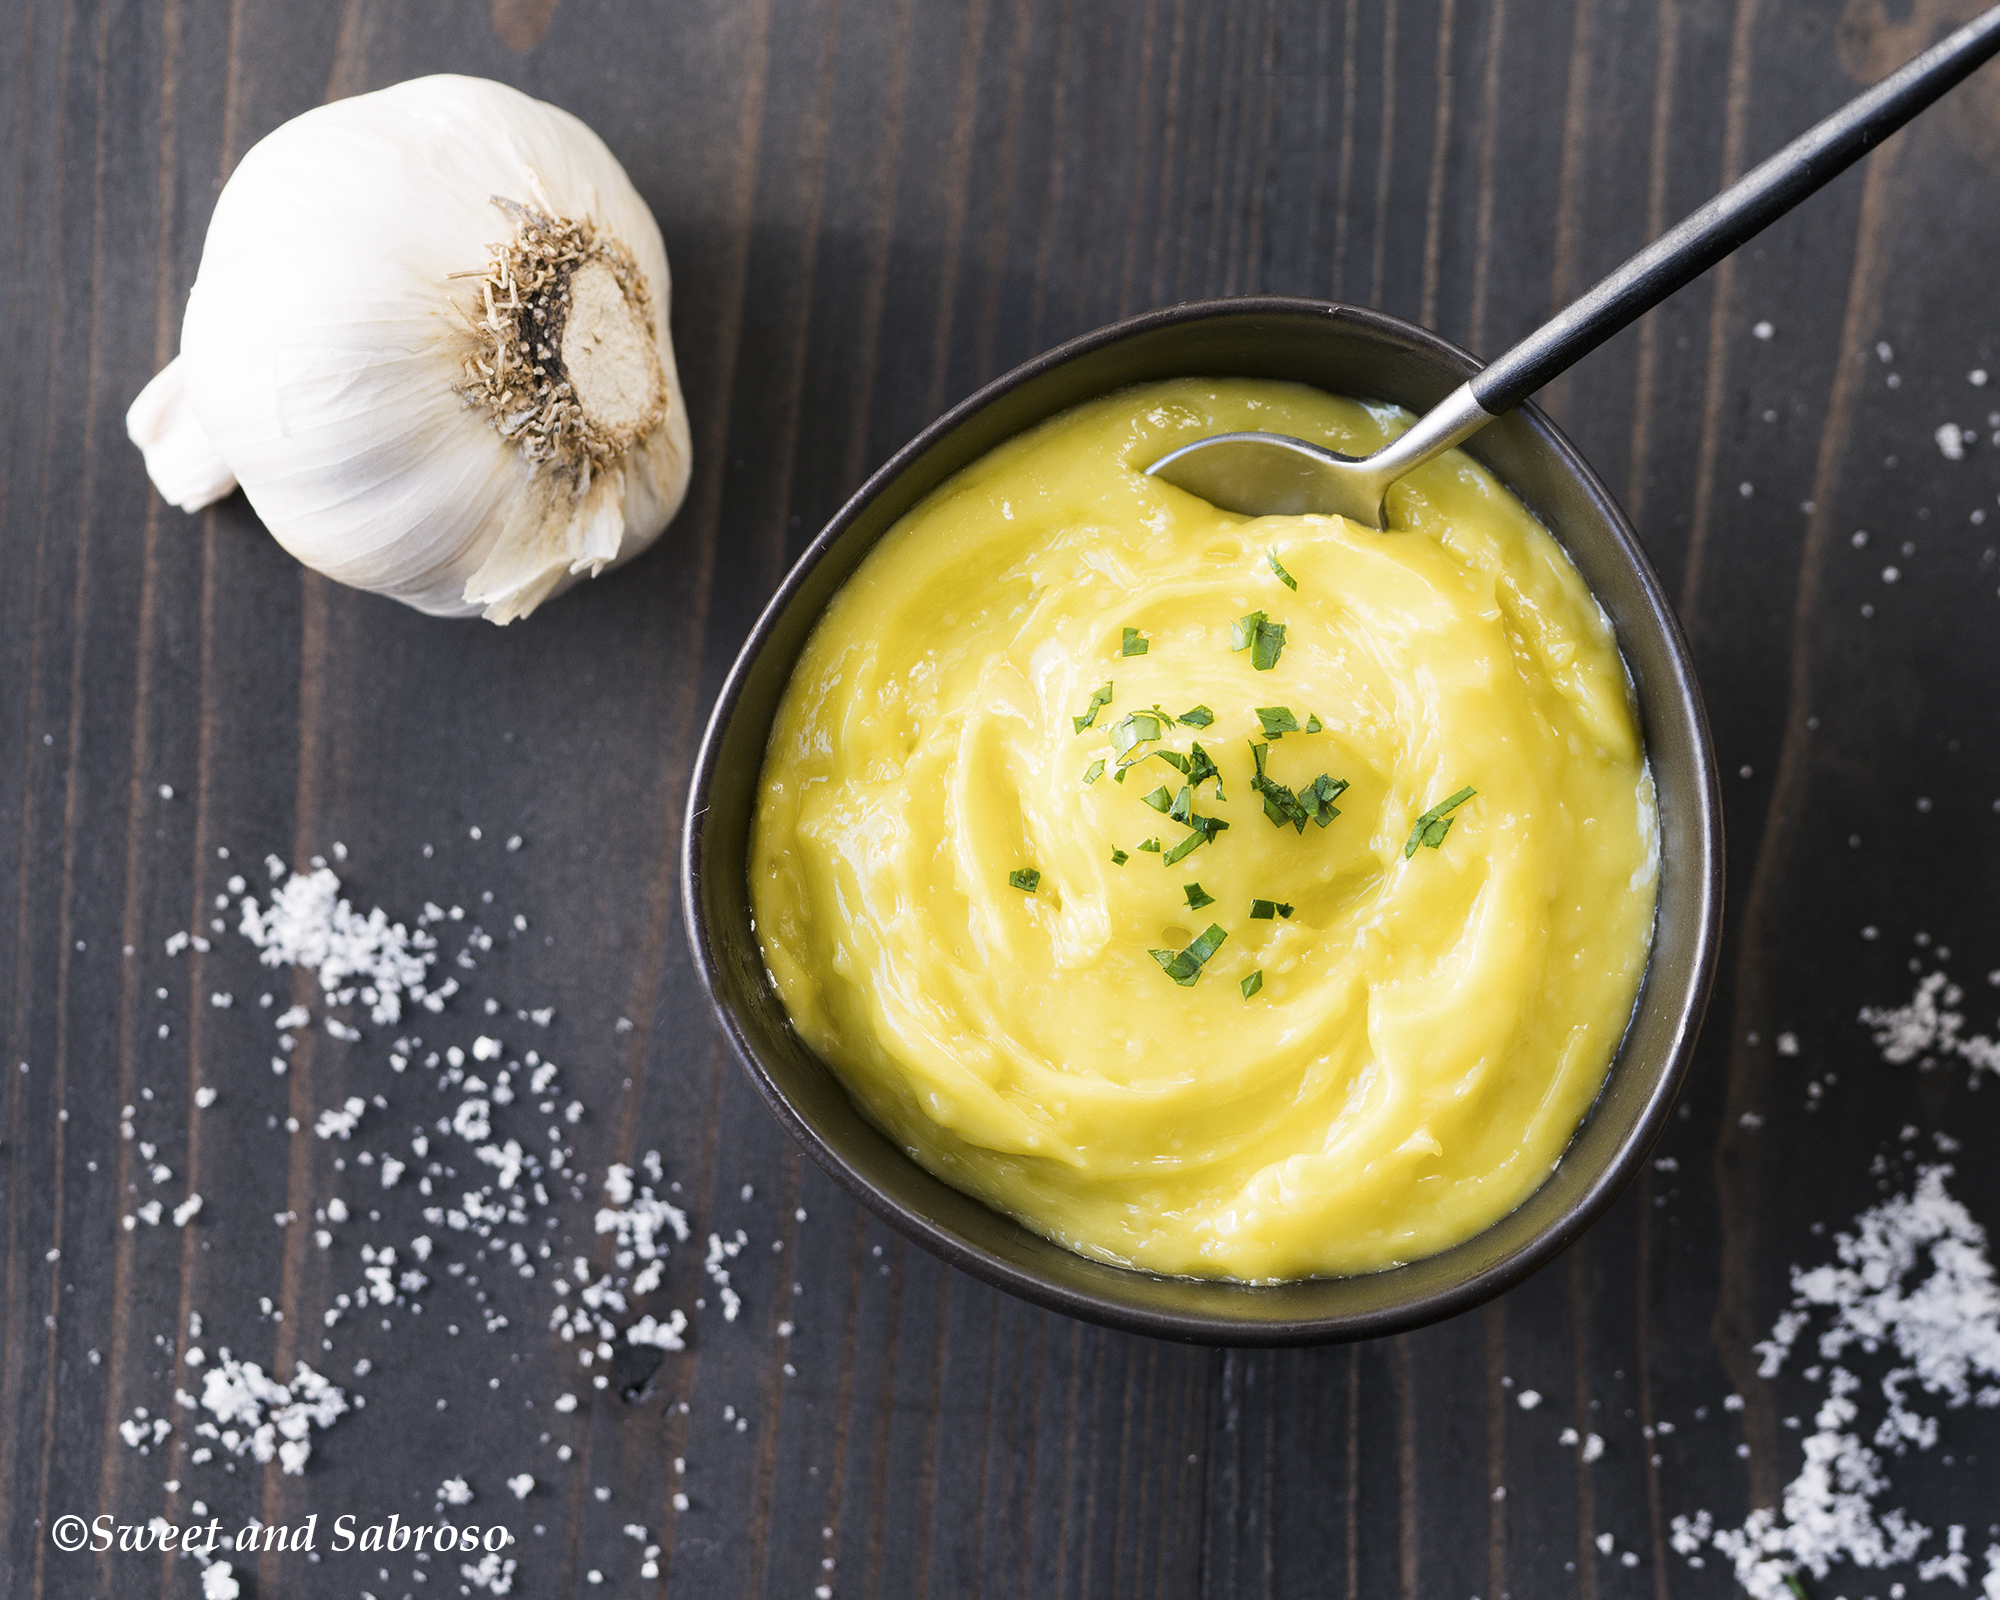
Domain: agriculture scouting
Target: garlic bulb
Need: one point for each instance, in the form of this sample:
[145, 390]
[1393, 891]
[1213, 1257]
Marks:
[429, 339]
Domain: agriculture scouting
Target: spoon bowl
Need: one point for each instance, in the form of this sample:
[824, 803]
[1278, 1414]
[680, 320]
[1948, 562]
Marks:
[1275, 475]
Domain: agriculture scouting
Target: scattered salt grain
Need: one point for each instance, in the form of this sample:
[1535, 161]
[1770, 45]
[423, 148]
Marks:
[309, 925]
[491, 1573]
[341, 1123]
[661, 1335]
[1928, 1028]
[455, 1492]
[1528, 1399]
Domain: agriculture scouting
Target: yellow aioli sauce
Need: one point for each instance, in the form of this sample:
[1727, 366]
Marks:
[1431, 1026]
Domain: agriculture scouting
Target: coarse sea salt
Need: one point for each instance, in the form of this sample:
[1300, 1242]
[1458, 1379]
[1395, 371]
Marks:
[309, 925]
[1929, 1028]
[255, 1415]
[1913, 1277]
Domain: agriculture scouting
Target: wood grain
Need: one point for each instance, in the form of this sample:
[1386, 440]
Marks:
[873, 206]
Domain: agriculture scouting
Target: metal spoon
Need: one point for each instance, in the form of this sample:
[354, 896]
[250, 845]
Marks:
[1266, 474]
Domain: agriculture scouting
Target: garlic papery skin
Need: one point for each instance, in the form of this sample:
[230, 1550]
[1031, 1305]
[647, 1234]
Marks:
[429, 339]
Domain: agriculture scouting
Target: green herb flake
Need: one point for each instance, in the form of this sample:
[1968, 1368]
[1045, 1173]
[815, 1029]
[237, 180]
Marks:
[1199, 717]
[1197, 896]
[1263, 910]
[1313, 724]
[1252, 984]
[1284, 577]
[1160, 799]
[1277, 721]
[1173, 758]
[1798, 1589]
[1135, 643]
[1152, 845]
[1129, 732]
[1119, 858]
[1317, 798]
[1118, 776]
[1205, 829]
[1430, 829]
[1100, 697]
[1263, 638]
[1280, 804]
[1093, 772]
[1025, 878]
[1186, 966]
[1201, 767]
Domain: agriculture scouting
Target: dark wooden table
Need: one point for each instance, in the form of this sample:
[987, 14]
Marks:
[872, 206]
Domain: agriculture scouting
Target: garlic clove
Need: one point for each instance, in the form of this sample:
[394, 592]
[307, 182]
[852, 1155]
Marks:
[180, 460]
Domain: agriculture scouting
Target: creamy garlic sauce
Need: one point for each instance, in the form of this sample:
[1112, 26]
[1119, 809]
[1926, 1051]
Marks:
[1431, 1012]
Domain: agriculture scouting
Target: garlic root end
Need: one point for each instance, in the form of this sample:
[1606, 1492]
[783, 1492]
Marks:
[180, 460]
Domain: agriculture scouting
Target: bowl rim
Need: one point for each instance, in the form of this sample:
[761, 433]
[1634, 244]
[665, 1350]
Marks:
[1421, 1309]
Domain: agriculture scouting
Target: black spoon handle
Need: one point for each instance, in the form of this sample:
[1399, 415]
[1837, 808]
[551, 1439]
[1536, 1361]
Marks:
[1745, 208]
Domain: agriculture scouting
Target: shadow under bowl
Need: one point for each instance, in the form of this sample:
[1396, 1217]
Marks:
[1344, 351]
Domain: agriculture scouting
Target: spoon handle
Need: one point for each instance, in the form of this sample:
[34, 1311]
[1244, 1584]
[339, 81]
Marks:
[1689, 249]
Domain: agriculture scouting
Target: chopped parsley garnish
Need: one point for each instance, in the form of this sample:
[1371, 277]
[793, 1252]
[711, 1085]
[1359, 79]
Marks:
[1252, 984]
[1269, 646]
[1186, 966]
[1100, 697]
[1435, 823]
[1152, 845]
[1199, 717]
[1129, 732]
[1280, 804]
[1201, 767]
[1317, 798]
[1160, 799]
[1135, 643]
[1182, 810]
[1312, 804]
[1093, 772]
[1284, 577]
[1024, 878]
[1118, 776]
[1313, 724]
[1119, 858]
[1265, 910]
[1173, 758]
[1263, 638]
[1277, 721]
[1205, 829]
[1197, 896]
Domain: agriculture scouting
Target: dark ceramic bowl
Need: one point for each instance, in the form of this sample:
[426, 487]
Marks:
[1344, 351]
